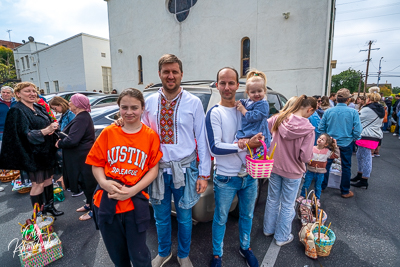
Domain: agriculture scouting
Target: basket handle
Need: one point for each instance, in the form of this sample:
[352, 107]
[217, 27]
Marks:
[309, 193]
[36, 209]
[255, 149]
[39, 235]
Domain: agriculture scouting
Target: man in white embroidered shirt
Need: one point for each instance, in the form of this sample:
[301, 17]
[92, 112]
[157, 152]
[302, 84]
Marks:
[178, 118]
[230, 177]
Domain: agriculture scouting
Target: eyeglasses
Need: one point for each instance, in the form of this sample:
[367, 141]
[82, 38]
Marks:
[319, 101]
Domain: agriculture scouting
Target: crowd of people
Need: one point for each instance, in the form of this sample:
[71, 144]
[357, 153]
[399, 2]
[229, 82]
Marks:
[161, 148]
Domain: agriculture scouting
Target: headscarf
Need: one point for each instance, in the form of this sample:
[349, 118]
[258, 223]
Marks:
[81, 101]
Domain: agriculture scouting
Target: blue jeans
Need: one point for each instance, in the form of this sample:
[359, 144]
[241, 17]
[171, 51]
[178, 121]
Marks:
[162, 215]
[225, 189]
[345, 154]
[310, 176]
[279, 210]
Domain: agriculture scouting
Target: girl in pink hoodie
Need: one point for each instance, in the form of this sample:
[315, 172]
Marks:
[294, 137]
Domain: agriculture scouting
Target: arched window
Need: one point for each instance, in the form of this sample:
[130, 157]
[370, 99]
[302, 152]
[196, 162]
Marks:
[180, 8]
[245, 56]
[140, 69]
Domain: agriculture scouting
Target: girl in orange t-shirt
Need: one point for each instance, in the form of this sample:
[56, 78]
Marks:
[125, 161]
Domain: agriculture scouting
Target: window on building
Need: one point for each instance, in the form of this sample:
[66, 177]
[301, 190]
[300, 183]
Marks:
[140, 69]
[180, 8]
[56, 86]
[23, 63]
[107, 81]
[103, 54]
[47, 85]
[245, 57]
[27, 62]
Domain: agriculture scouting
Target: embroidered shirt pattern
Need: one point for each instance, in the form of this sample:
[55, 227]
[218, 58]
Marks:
[168, 111]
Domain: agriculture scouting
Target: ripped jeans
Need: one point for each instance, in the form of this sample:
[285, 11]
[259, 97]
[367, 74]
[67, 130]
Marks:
[225, 189]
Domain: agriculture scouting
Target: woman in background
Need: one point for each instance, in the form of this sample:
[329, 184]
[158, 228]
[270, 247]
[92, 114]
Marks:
[76, 147]
[60, 105]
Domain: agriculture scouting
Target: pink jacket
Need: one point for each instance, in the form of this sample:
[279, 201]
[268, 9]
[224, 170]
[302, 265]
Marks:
[295, 140]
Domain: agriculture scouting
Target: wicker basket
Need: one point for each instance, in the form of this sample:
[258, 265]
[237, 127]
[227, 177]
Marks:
[259, 168]
[7, 176]
[25, 190]
[324, 247]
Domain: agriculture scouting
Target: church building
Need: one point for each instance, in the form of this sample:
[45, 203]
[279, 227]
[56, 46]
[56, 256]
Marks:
[291, 40]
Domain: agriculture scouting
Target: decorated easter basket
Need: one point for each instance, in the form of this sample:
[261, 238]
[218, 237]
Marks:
[325, 243]
[259, 168]
[49, 250]
[44, 223]
[305, 213]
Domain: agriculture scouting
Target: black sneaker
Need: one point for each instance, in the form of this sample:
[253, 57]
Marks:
[216, 261]
[251, 260]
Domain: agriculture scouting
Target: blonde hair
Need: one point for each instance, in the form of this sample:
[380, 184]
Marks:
[256, 76]
[289, 103]
[302, 101]
[374, 97]
[21, 86]
[374, 89]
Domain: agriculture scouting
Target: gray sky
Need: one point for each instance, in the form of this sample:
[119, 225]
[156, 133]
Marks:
[357, 22]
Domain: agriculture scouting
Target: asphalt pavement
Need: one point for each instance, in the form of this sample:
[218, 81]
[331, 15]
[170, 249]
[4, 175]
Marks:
[366, 227]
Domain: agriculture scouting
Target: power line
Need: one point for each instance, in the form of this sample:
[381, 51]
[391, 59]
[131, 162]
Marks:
[368, 17]
[383, 30]
[394, 68]
[368, 8]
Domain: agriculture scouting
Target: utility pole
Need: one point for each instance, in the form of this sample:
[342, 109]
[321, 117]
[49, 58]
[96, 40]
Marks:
[9, 35]
[379, 72]
[368, 60]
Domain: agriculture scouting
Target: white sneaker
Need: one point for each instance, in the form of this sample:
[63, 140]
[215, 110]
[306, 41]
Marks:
[394, 134]
[1, 189]
[278, 243]
[399, 137]
[77, 194]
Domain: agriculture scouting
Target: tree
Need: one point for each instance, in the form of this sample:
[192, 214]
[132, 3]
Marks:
[7, 68]
[396, 90]
[349, 79]
[385, 90]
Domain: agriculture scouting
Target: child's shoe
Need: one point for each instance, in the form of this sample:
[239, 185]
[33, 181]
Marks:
[318, 203]
[299, 199]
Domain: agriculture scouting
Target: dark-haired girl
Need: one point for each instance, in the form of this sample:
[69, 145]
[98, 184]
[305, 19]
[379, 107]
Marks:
[325, 149]
[125, 161]
[293, 135]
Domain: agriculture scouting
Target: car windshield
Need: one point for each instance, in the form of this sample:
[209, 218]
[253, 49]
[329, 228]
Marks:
[271, 98]
[204, 97]
[99, 111]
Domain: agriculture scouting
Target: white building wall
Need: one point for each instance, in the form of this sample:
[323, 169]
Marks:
[75, 63]
[23, 72]
[93, 47]
[292, 52]
[63, 62]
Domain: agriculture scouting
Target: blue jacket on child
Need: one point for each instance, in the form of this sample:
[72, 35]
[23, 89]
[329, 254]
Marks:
[255, 120]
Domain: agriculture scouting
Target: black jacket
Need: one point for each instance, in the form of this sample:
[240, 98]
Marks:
[24, 147]
[75, 149]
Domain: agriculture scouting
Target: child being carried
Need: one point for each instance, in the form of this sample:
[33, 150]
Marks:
[255, 109]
